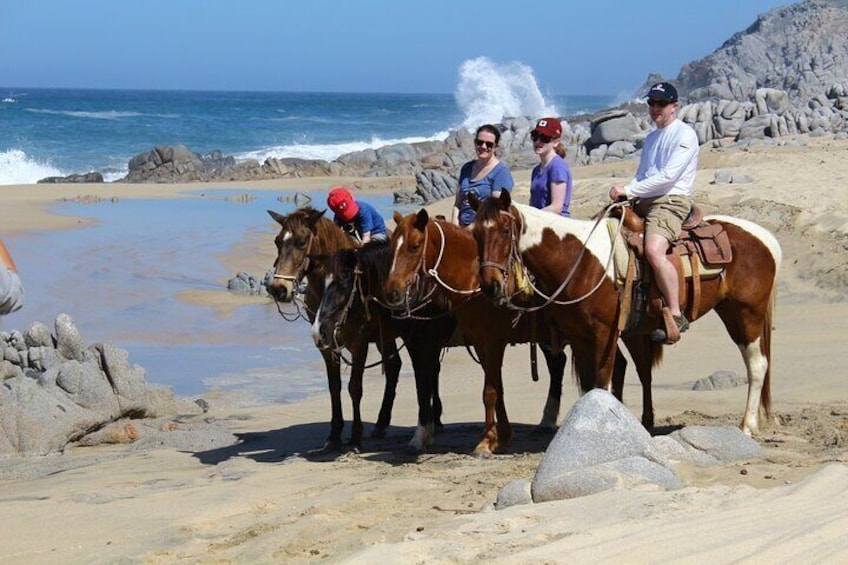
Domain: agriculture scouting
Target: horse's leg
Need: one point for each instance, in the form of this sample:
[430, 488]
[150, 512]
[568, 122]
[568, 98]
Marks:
[391, 369]
[643, 351]
[334, 384]
[497, 431]
[426, 365]
[751, 332]
[618, 373]
[556, 368]
[359, 354]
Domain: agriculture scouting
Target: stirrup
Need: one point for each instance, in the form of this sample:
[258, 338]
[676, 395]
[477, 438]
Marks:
[674, 326]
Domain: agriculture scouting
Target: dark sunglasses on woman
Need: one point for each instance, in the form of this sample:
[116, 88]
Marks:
[488, 144]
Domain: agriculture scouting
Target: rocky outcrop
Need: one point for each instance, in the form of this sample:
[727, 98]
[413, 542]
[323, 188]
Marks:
[56, 392]
[93, 177]
[801, 49]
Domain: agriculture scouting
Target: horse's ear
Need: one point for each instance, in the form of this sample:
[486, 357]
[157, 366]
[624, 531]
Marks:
[314, 216]
[397, 217]
[505, 200]
[474, 201]
[279, 218]
[421, 219]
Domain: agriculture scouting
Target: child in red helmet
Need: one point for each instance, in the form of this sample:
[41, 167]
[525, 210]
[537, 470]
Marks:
[359, 219]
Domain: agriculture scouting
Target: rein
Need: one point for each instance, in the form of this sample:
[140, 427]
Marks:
[339, 348]
[514, 255]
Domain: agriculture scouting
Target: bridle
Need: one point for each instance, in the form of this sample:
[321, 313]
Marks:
[357, 288]
[297, 300]
[423, 273]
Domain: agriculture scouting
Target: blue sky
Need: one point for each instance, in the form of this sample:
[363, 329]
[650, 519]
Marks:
[593, 47]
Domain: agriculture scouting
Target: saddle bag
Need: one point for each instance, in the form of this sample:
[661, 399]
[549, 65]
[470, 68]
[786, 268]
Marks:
[712, 244]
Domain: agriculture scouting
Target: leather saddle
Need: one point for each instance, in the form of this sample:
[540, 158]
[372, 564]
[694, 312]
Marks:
[701, 251]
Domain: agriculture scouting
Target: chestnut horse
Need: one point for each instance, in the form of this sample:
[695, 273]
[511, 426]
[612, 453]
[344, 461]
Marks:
[571, 259]
[434, 257]
[306, 232]
[352, 306]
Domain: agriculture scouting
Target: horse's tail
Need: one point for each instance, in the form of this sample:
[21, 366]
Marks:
[765, 349]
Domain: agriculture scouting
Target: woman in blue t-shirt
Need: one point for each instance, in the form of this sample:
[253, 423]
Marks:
[550, 182]
[483, 177]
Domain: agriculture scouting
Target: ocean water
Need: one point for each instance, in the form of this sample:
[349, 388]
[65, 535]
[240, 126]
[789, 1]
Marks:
[122, 279]
[58, 132]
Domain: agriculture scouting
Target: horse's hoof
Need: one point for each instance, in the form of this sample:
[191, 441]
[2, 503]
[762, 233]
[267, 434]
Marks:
[333, 446]
[411, 449]
[482, 453]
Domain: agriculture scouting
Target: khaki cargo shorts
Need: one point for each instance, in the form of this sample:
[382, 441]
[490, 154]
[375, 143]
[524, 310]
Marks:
[664, 214]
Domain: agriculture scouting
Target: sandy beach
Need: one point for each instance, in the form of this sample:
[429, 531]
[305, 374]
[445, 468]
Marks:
[275, 498]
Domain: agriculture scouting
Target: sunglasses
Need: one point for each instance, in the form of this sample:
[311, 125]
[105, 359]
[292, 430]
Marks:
[660, 103]
[487, 144]
[536, 136]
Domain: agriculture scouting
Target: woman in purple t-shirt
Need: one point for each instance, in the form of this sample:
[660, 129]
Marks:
[550, 182]
[550, 189]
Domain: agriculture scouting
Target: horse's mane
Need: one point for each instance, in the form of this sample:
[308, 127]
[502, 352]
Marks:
[329, 236]
[375, 261]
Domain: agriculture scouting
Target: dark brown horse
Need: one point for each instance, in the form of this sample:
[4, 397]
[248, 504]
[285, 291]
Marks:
[571, 260]
[307, 232]
[352, 311]
[432, 257]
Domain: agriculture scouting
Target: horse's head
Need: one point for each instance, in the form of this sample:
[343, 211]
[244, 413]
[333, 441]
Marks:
[294, 242]
[409, 249]
[337, 299]
[496, 230]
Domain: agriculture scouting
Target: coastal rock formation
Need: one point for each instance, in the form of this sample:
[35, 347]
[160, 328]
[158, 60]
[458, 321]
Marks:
[56, 393]
[801, 49]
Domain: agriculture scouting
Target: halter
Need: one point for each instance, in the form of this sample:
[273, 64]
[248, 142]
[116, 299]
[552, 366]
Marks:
[299, 303]
[514, 255]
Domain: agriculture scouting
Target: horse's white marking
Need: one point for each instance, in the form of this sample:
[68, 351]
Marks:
[757, 231]
[397, 250]
[537, 221]
[422, 438]
[316, 324]
[287, 236]
[756, 364]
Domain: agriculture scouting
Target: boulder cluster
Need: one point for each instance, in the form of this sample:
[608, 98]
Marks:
[56, 392]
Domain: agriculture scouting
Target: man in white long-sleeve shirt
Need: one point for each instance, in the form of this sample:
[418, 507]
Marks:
[662, 191]
[11, 289]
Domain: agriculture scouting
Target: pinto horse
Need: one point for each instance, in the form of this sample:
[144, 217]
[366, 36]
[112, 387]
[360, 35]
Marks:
[352, 307]
[571, 259]
[306, 232]
[434, 257]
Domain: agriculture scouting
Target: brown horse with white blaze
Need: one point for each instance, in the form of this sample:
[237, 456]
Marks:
[570, 258]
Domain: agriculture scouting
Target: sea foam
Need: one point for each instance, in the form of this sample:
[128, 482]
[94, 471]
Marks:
[17, 168]
[488, 92]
